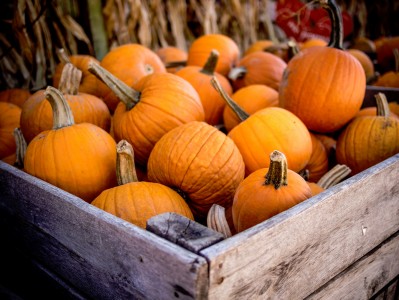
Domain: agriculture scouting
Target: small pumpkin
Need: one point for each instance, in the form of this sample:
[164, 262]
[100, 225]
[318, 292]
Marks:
[329, 179]
[318, 162]
[259, 45]
[78, 158]
[390, 78]
[368, 140]
[17, 158]
[313, 42]
[365, 61]
[10, 116]
[16, 96]
[199, 161]
[137, 201]
[173, 58]
[267, 192]
[385, 53]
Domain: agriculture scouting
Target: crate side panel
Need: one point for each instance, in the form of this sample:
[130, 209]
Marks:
[93, 250]
[294, 253]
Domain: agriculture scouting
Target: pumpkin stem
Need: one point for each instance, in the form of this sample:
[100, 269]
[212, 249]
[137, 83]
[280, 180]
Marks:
[21, 148]
[382, 105]
[242, 114]
[237, 72]
[62, 113]
[278, 170]
[293, 49]
[62, 56]
[125, 93]
[210, 65]
[70, 79]
[216, 220]
[334, 176]
[175, 64]
[337, 35]
[125, 168]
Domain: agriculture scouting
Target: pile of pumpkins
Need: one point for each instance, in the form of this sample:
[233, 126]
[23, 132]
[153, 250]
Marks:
[143, 132]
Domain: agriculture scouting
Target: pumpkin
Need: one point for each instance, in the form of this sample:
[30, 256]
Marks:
[135, 201]
[37, 114]
[259, 45]
[364, 44]
[173, 58]
[365, 61]
[385, 53]
[318, 162]
[15, 96]
[251, 99]
[368, 140]
[313, 42]
[129, 63]
[394, 107]
[271, 128]
[78, 158]
[200, 162]
[201, 47]
[17, 158]
[372, 111]
[159, 103]
[200, 79]
[324, 86]
[329, 179]
[10, 116]
[267, 192]
[258, 68]
[390, 78]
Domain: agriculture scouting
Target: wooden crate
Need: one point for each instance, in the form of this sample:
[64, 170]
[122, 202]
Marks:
[340, 244]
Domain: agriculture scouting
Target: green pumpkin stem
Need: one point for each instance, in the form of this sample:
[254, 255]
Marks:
[125, 168]
[125, 93]
[210, 65]
[337, 34]
[21, 148]
[62, 113]
[70, 79]
[382, 105]
[334, 176]
[242, 114]
[278, 170]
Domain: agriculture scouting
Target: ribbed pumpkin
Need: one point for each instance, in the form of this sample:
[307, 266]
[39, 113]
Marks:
[37, 114]
[251, 99]
[368, 140]
[200, 79]
[17, 158]
[135, 201]
[266, 130]
[267, 192]
[160, 103]
[174, 58]
[365, 61]
[78, 158]
[199, 161]
[10, 116]
[258, 68]
[15, 96]
[318, 163]
[201, 47]
[129, 63]
[324, 86]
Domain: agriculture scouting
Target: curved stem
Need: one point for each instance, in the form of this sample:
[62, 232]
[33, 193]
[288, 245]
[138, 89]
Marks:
[70, 79]
[382, 105]
[242, 114]
[210, 65]
[334, 176]
[216, 220]
[21, 148]
[237, 72]
[337, 35]
[63, 57]
[62, 114]
[125, 93]
[125, 168]
[278, 170]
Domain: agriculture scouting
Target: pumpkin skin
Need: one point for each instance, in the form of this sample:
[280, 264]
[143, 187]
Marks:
[200, 161]
[260, 45]
[199, 51]
[257, 200]
[364, 60]
[129, 63]
[324, 86]
[261, 68]
[10, 116]
[312, 43]
[318, 163]
[250, 98]
[78, 158]
[172, 55]
[15, 96]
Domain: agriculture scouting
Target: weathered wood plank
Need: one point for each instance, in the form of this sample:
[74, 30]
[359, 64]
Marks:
[367, 276]
[294, 253]
[99, 254]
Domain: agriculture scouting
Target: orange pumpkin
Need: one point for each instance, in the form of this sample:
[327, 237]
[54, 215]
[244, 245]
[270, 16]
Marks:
[385, 53]
[199, 161]
[37, 114]
[201, 47]
[258, 68]
[78, 158]
[259, 45]
[368, 140]
[200, 79]
[394, 107]
[173, 58]
[17, 158]
[10, 116]
[390, 78]
[365, 61]
[160, 103]
[267, 192]
[324, 86]
[313, 42]
[318, 162]
[135, 201]
[15, 96]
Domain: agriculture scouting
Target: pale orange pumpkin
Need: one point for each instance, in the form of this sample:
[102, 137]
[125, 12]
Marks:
[174, 58]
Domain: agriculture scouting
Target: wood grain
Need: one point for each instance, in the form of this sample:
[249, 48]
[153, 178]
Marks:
[99, 254]
[294, 253]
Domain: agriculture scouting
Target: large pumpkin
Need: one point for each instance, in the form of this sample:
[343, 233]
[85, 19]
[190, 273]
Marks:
[9, 120]
[199, 161]
[78, 158]
[324, 86]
